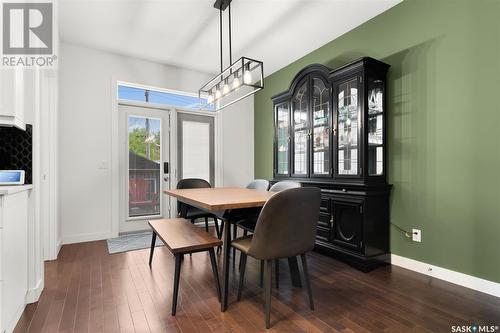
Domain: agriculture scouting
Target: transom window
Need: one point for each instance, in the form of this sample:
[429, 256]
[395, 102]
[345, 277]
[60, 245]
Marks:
[180, 99]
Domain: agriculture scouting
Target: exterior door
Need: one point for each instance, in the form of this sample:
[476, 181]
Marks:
[144, 166]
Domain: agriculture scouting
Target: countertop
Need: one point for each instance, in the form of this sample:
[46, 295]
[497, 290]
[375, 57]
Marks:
[11, 189]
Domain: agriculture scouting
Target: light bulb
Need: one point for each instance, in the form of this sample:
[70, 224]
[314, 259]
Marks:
[217, 93]
[236, 82]
[225, 89]
[247, 77]
[210, 98]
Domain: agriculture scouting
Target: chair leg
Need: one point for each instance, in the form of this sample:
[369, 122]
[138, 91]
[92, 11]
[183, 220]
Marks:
[177, 273]
[267, 291]
[243, 264]
[206, 223]
[306, 280]
[235, 234]
[153, 243]
[221, 230]
[261, 273]
[217, 231]
[214, 270]
[277, 272]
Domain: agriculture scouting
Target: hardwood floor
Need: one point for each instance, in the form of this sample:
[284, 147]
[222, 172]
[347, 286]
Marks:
[87, 290]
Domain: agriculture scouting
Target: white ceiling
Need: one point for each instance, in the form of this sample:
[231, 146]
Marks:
[185, 33]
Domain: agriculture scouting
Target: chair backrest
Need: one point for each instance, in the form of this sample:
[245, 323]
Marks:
[192, 183]
[284, 185]
[259, 184]
[286, 226]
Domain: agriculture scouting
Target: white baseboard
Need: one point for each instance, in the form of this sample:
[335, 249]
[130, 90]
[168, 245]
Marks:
[33, 294]
[461, 279]
[58, 247]
[89, 237]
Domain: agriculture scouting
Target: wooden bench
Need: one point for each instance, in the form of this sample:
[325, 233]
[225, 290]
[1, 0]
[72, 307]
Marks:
[181, 237]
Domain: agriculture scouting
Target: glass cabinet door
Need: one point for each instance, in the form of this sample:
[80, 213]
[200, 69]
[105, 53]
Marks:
[375, 127]
[300, 130]
[320, 127]
[347, 129]
[282, 139]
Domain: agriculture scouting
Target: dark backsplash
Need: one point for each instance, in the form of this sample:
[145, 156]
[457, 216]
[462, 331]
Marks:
[16, 150]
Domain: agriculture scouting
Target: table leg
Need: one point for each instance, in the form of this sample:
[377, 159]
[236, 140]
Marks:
[226, 246]
[294, 272]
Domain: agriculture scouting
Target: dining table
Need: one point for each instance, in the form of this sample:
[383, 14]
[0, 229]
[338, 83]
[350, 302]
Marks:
[228, 204]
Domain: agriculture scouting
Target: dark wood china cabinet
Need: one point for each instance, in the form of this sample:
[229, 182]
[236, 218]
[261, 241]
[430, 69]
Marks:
[330, 132]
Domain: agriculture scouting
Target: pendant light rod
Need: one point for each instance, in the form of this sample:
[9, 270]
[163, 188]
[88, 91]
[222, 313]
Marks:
[230, 39]
[220, 24]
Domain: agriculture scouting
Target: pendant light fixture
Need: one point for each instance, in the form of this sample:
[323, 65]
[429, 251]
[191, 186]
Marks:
[242, 78]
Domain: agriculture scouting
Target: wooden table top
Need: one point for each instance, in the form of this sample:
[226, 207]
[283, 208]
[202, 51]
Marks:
[221, 198]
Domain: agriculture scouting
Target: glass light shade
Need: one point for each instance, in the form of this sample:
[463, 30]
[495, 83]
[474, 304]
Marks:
[247, 77]
[242, 79]
[225, 89]
[236, 82]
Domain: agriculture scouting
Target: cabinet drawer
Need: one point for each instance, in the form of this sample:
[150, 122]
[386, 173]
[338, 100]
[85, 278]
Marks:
[323, 234]
[325, 205]
[324, 220]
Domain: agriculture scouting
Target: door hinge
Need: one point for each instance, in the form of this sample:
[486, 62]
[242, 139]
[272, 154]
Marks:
[360, 79]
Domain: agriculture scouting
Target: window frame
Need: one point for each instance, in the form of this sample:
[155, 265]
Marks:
[148, 88]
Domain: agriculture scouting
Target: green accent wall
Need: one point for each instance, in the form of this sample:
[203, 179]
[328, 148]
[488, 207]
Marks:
[444, 125]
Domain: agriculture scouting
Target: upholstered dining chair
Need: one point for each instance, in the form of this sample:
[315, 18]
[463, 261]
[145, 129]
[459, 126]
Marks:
[249, 216]
[248, 225]
[192, 213]
[286, 227]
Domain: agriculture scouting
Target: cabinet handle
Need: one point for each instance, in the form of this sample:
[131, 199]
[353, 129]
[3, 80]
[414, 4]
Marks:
[334, 130]
[332, 222]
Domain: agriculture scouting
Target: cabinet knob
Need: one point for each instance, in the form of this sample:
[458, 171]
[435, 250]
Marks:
[344, 190]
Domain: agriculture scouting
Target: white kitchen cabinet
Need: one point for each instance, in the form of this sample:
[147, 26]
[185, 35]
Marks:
[13, 254]
[12, 92]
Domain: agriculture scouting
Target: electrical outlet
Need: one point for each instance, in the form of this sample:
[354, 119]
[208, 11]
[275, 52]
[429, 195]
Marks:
[416, 235]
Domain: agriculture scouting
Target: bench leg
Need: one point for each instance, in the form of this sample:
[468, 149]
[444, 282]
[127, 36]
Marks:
[214, 270]
[176, 282]
[206, 223]
[153, 243]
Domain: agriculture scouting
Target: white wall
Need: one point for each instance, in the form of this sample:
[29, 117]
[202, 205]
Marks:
[237, 143]
[85, 101]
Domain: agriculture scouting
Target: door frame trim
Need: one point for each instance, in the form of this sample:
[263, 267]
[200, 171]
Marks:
[115, 147]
